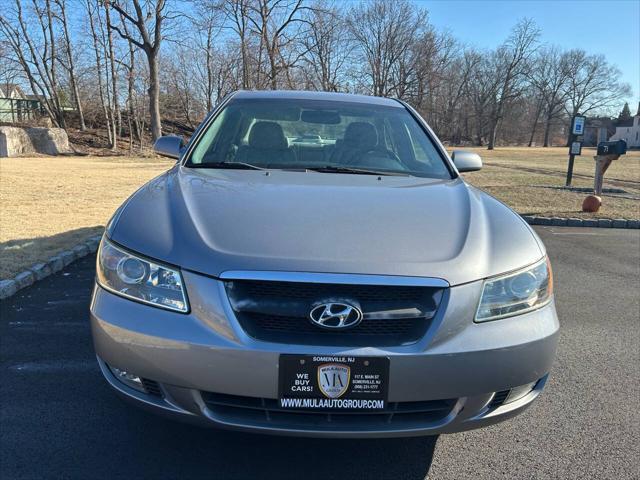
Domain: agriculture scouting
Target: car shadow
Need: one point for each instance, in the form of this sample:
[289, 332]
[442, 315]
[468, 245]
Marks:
[19, 254]
[195, 453]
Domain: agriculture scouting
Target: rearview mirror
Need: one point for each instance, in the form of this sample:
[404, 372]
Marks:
[169, 146]
[323, 117]
[466, 161]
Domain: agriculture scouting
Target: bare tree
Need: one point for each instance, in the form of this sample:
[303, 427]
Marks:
[549, 76]
[208, 24]
[35, 52]
[277, 24]
[435, 84]
[113, 74]
[133, 122]
[593, 84]
[93, 12]
[511, 64]
[452, 88]
[238, 13]
[327, 47]
[481, 91]
[384, 32]
[9, 68]
[148, 28]
[70, 65]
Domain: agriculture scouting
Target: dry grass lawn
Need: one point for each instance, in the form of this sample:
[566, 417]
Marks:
[529, 180]
[48, 204]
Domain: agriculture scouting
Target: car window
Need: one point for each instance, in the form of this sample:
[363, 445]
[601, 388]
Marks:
[423, 151]
[307, 134]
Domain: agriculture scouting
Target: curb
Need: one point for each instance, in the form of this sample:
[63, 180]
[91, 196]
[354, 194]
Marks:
[56, 263]
[582, 222]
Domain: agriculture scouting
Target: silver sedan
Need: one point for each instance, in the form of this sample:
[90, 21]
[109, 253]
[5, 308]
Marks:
[350, 286]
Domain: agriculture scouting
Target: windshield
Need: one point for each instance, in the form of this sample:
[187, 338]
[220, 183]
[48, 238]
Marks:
[331, 136]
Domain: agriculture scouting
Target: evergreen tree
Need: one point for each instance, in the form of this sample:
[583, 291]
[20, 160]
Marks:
[625, 115]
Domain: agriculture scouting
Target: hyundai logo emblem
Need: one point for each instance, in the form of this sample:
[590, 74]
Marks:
[335, 315]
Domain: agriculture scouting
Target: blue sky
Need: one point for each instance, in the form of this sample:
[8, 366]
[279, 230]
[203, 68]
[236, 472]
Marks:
[611, 28]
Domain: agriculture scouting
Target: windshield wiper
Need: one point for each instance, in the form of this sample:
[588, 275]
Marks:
[229, 165]
[358, 171]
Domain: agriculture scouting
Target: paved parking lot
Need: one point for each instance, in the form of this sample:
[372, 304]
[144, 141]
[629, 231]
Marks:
[59, 419]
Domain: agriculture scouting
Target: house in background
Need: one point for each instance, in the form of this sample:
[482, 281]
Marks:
[11, 90]
[629, 131]
[15, 106]
[597, 130]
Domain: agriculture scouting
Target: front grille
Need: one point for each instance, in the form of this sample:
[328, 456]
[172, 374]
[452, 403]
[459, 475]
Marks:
[267, 411]
[279, 312]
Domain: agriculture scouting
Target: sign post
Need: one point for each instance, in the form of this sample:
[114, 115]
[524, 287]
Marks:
[577, 130]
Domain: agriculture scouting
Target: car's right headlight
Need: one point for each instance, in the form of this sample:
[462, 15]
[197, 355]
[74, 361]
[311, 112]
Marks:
[137, 278]
[516, 293]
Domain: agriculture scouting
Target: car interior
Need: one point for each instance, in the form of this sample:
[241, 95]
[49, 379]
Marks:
[295, 137]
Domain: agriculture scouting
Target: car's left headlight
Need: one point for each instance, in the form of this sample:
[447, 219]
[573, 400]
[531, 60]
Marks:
[137, 278]
[516, 293]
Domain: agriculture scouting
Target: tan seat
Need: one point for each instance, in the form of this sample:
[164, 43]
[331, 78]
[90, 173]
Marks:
[267, 146]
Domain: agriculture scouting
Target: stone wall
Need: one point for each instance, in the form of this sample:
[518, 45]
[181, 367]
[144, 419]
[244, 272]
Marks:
[16, 141]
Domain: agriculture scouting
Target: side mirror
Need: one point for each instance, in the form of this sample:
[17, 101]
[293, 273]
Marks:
[466, 161]
[170, 146]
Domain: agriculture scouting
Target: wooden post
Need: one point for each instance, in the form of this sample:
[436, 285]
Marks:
[602, 164]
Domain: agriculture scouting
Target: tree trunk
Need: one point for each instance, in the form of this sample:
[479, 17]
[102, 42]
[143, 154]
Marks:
[133, 125]
[133, 122]
[151, 49]
[114, 81]
[569, 134]
[52, 70]
[154, 95]
[547, 130]
[533, 133]
[72, 72]
[76, 96]
[94, 34]
[209, 100]
[535, 123]
[492, 135]
[478, 129]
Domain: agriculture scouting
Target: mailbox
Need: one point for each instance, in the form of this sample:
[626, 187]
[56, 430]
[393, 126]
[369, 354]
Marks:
[612, 148]
[607, 153]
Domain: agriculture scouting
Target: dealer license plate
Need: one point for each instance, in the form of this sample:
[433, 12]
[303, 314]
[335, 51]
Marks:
[333, 383]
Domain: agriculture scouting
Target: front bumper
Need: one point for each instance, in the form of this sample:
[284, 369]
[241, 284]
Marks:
[205, 352]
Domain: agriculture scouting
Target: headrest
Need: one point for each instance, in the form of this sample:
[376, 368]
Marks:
[361, 134]
[267, 135]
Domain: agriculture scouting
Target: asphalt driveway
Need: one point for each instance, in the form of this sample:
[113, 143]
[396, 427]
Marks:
[59, 419]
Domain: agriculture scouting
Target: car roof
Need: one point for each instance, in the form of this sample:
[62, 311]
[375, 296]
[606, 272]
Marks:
[313, 95]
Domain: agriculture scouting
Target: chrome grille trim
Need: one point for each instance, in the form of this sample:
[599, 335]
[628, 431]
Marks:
[335, 278]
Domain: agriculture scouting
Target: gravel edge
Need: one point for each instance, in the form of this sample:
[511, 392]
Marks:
[38, 271]
[56, 263]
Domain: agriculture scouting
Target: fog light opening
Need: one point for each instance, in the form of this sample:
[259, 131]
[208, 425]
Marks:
[517, 393]
[504, 397]
[129, 379]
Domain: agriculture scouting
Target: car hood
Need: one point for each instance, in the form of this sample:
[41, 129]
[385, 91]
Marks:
[212, 221]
